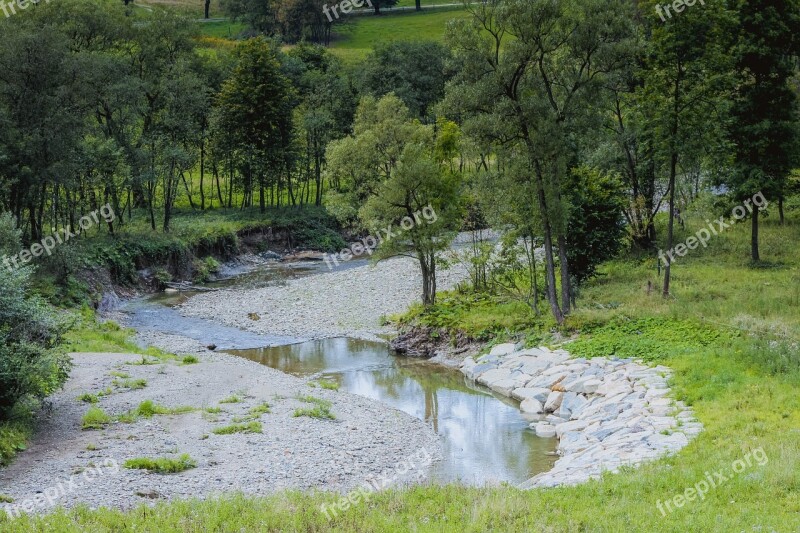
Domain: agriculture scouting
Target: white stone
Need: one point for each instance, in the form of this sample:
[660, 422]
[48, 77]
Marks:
[553, 401]
[531, 406]
[539, 394]
[545, 430]
[503, 349]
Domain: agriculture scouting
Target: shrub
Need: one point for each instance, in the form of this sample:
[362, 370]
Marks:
[95, 418]
[162, 465]
[31, 363]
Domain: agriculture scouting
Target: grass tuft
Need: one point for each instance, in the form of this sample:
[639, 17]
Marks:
[95, 418]
[251, 427]
[162, 465]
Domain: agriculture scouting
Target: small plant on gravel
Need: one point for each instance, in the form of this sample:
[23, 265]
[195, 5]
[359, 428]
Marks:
[213, 410]
[95, 418]
[148, 408]
[6, 499]
[251, 427]
[132, 384]
[121, 375]
[145, 361]
[329, 385]
[162, 465]
[107, 392]
[88, 398]
[321, 409]
[91, 447]
[231, 399]
[190, 360]
[260, 409]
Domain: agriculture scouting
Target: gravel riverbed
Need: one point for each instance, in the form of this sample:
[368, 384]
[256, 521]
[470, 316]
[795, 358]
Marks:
[343, 303]
[66, 465]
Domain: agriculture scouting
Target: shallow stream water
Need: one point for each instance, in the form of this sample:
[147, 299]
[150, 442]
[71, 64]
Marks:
[486, 439]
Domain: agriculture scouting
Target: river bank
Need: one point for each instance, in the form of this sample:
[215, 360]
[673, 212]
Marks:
[290, 452]
[352, 302]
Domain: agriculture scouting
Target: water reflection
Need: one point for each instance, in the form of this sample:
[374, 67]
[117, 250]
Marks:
[485, 437]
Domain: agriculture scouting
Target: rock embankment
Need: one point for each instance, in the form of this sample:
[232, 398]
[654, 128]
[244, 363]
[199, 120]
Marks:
[607, 412]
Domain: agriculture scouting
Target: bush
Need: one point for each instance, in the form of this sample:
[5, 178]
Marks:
[31, 364]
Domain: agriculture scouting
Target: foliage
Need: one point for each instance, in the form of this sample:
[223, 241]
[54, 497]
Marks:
[32, 363]
[649, 339]
[413, 70]
[596, 227]
[162, 465]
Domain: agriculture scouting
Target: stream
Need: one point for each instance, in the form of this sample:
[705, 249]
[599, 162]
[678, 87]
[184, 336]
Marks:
[486, 439]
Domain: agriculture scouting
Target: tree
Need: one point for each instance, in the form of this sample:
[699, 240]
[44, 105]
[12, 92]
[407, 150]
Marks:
[254, 108]
[530, 75]
[413, 70]
[389, 167]
[763, 128]
[686, 74]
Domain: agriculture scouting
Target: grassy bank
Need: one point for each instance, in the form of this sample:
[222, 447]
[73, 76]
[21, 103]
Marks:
[182, 254]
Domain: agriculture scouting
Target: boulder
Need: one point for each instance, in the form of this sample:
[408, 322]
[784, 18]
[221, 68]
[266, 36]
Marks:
[545, 430]
[503, 349]
[531, 406]
[539, 394]
[553, 401]
[491, 376]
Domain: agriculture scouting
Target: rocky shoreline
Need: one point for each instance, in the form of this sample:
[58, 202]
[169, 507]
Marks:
[606, 412]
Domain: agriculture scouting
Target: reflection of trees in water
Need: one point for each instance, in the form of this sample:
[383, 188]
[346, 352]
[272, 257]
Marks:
[480, 430]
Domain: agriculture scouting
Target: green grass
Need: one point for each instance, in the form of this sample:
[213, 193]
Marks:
[121, 375]
[324, 384]
[355, 39]
[162, 465]
[132, 384]
[321, 409]
[6, 499]
[190, 360]
[250, 427]
[95, 418]
[14, 435]
[260, 409]
[231, 399]
[88, 398]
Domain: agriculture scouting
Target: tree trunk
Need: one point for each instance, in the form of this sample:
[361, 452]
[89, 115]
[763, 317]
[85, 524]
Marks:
[671, 226]
[780, 211]
[552, 298]
[754, 237]
[566, 281]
